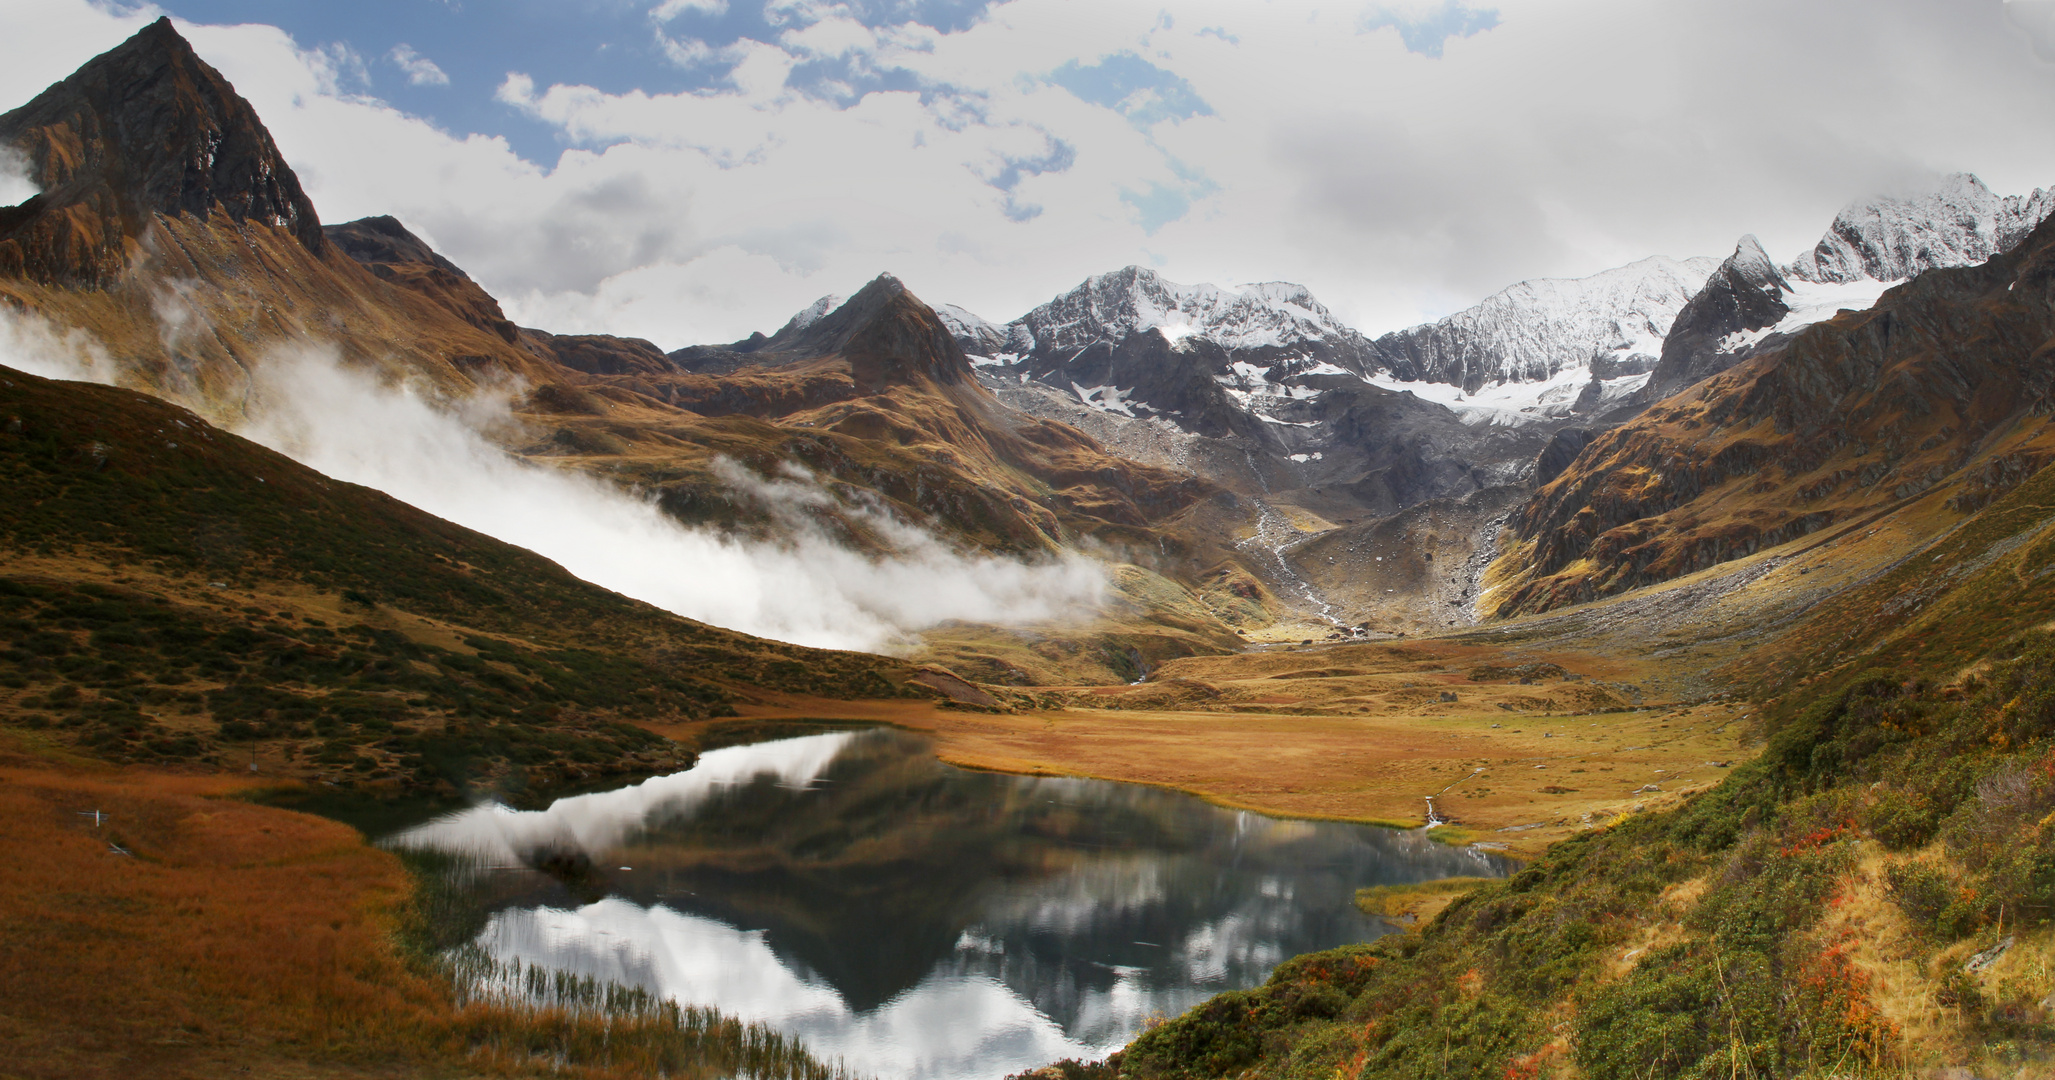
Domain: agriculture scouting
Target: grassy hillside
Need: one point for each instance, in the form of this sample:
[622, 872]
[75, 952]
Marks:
[177, 604]
[173, 593]
[1872, 895]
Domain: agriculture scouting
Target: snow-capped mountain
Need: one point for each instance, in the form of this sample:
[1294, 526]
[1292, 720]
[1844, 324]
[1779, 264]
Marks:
[809, 315]
[1534, 331]
[1546, 349]
[978, 337]
[1210, 360]
[1262, 324]
[1750, 304]
[1893, 238]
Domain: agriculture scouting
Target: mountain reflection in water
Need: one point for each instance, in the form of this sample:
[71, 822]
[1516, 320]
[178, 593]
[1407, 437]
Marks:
[916, 919]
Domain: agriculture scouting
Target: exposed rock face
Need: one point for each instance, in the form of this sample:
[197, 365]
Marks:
[1960, 223]
[1261, 323]
[977, 336]
[601, 354]
[147, 128]
[1151, 374]
[1562, 449]
[1536, 329]
[383, 241]
[888, 336]
[1945, 375]
[1746, 293]
[392, 253]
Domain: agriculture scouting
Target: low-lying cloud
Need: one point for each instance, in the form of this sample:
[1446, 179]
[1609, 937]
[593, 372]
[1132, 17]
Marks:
[15, 186]
[801, 586]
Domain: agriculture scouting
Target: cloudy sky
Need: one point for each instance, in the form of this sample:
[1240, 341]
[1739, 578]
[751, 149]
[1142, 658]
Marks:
[692, 170]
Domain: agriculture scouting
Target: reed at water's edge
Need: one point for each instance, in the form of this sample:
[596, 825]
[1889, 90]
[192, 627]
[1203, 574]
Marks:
[511, 1013]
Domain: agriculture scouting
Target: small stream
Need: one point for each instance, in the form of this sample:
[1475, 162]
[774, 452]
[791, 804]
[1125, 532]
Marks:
[910, 918]
[1273, 534]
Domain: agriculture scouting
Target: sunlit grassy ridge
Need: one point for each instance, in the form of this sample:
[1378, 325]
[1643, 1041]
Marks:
[176, 593]
[175, 602]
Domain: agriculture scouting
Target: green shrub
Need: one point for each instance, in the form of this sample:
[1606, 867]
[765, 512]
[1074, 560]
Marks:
[1934, 898]
[1901, 820]
[1684, 1011]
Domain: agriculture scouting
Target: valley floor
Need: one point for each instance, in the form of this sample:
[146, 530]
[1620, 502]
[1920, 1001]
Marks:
[1356, 732]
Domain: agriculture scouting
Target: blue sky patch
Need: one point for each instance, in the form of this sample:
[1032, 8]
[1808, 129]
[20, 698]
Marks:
[1133, 87]
[1059, 157]
[1160, 204]
[1426, 34]
[443, 61]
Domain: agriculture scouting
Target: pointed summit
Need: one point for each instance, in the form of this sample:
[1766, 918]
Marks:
[146, 128]
[1713, 332]
[888, 336]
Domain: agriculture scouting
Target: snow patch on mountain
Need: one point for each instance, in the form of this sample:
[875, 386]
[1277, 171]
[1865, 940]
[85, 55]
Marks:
[1109, 308]
[1518, 404]
[1811, 302]
[1892, 238]
[1613, 321]
[811, 314]
[1110, 399]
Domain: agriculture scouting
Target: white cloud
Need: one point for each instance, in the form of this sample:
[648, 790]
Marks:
[1570, 136]
[671, 9]
[420, 70]
[17, 186]
[804, 587]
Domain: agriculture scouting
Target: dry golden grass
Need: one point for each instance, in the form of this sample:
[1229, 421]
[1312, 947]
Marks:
[184, 932]
[231, 937]
[1415, 902]
[1543, 777]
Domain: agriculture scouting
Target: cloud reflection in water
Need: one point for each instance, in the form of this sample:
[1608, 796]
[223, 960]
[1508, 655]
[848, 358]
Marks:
[918, 920]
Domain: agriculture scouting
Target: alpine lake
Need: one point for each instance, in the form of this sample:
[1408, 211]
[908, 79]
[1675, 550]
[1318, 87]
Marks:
[907, 917]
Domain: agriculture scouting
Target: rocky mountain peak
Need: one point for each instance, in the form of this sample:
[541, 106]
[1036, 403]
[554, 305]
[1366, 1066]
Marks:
[384, 241]
[393, 253]
[146, 128]
[1751, 267]
[1746, 293]
[1958, 222]
[888, 336]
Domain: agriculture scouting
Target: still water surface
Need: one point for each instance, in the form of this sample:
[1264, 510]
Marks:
[915, 919]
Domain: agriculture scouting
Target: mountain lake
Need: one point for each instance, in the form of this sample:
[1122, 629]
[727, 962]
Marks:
[910, 918]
